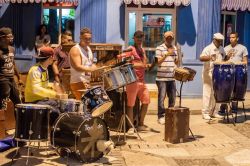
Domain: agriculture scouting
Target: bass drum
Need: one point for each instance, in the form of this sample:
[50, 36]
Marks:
[79, 135]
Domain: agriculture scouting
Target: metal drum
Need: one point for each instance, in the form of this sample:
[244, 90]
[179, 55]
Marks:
[79, 135]
[223, 81]
[240, 82]
[69, 105]
[97, 101]
[32, 122]
[114, 79]
[128, 73]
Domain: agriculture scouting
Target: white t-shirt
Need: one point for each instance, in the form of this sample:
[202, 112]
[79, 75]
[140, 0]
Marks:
[87, 60]
[239, 52]
[208, 51]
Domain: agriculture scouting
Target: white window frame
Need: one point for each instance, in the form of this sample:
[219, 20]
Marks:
[224, 14]
[139, 13]
[60, 18]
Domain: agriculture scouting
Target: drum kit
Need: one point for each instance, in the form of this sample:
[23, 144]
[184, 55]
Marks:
[229, 83]
[79, 130]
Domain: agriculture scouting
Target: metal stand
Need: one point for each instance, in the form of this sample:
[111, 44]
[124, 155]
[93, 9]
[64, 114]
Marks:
[123, 120]
[180, 107]
[227, 111]
[243, 105]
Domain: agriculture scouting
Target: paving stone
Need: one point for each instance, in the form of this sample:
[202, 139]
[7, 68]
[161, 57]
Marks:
[242, 157]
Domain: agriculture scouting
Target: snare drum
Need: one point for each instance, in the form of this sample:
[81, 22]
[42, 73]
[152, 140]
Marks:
[128, 73]
[80, 135]
[114, 79]
[240, 81]
[181, 74]
[223, 81]
[32, 122]
[97, 101]
[69, 105]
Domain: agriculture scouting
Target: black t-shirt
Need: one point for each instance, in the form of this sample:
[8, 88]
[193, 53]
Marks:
[7, 63]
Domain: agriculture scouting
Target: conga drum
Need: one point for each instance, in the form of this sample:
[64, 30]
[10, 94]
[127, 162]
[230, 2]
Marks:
[223, 81]
[240, 86]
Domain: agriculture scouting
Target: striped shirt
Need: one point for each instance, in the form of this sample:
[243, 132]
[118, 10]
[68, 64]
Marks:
[165, 71]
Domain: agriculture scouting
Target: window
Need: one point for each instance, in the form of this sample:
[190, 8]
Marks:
[228, 25]
[58, 17]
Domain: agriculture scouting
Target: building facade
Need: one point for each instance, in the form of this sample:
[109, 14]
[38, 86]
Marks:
[114, 21]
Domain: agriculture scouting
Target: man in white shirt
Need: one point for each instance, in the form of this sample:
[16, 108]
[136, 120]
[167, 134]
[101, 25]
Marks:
[235, 53]
[213, 52]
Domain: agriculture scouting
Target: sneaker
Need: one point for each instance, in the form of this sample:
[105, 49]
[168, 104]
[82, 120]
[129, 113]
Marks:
[161, 120]
[206, 116]
[143, 128]
[131, 131]
[217, 116]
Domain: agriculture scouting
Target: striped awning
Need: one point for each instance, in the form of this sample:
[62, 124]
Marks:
[38, 1]
[159, 2]
[235, 5]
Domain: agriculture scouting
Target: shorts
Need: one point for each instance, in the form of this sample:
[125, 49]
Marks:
[137, 89]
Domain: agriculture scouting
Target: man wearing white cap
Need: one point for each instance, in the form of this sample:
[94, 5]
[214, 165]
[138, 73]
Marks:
[213, 52]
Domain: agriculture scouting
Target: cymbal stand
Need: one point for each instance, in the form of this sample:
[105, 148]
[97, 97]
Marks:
[123, 121]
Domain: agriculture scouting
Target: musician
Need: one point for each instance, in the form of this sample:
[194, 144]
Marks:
[167, 59]
[81, 64]
[139, 88]
[213, 52]
[7, 69]
[38, 88]
[235, 53]
[61, 57]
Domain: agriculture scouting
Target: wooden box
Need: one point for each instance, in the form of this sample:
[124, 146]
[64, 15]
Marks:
[177, 124]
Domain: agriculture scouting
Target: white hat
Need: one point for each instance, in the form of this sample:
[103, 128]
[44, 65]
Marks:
[218, 36]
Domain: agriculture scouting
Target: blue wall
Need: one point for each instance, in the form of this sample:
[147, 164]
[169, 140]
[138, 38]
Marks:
[93, 14]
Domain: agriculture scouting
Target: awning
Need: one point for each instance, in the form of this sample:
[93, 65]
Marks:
[235, 5]
[159, 2]
[38, 1]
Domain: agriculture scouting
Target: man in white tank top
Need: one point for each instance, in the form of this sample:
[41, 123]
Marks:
[81, 63]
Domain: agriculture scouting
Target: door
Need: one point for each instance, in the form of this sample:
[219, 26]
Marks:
[153, 22]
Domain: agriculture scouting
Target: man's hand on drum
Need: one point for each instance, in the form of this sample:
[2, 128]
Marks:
[213, 57]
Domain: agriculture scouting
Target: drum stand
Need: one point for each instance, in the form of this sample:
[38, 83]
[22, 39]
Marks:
[181, 106]
[123, 121]
[29, 146]
[227, 111]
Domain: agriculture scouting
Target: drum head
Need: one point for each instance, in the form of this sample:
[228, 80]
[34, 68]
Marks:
[102, 109]
[91, 130]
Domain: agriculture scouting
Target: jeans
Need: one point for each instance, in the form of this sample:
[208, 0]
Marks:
[8, 89]
[54, 114]
[165, 88]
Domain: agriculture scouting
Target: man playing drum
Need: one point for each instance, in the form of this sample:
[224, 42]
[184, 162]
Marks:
[213, 52]
[167, 58]
[237, 54]
[38, 89]
[81, 64]
[139, 87]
